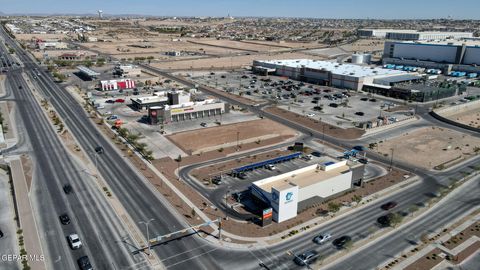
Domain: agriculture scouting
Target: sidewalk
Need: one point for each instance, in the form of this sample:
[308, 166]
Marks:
[26, 219]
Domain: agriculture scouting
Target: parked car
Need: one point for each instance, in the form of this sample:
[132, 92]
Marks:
[217, 180]
[203, 124]
[333, 105]
[388, 205]
[64, 219]
[310, 114]
[308, 157]
[271, 167]
[360, 113]
[363, 160]
[359, 148]
[340, 242]
[364, 99]
[84, 263]
[242, 175]
[1, 234]
[74, 241]
[316, 154]
[112, 117]
[322, 238]
[306, 258]
[67, 189]
[119, 100]
[109, 101]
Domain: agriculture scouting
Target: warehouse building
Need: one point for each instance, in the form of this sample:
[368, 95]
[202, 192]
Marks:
[446, 56]
[127, 71]
[290, 192]
[413, 35]
[347, 76]
[186, 111]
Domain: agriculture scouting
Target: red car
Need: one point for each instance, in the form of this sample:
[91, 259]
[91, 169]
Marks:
[120, 100]
[388, 205]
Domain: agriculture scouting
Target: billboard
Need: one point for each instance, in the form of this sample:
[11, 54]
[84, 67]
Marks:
[267, 215]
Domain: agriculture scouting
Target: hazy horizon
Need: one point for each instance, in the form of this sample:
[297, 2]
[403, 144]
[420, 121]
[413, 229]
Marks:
[340, 9]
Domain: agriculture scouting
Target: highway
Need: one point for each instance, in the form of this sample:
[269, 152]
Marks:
[93, 219]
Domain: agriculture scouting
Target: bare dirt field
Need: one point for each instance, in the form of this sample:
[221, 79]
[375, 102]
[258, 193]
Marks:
[226, 62]
[209, 139]
[238, 45]
[363, 45]
[469, 117]
[28, 37]
[430, 147]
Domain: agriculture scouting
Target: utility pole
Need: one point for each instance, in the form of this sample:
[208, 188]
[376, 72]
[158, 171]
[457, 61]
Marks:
[238, 139]
[391, 159]
[148, 236]
[226, 202]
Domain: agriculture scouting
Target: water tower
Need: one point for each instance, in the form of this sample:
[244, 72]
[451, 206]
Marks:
[100, 13]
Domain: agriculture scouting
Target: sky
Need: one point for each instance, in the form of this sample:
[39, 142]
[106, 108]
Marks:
[383, 9]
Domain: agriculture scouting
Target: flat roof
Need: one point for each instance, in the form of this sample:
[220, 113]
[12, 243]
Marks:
[413, 31]
[147, 100]
[88, 71]
[303, 179]
[449, 42]
[335, 68]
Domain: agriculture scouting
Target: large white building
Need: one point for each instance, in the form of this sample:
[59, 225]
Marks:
[347, 76]
[454, 55]
[400, 34]
[285, 192]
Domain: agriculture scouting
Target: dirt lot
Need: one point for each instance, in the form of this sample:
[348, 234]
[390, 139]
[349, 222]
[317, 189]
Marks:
[469, 117]
[227, 62]
[28, 37]
[362, 45]
[209, 139]
[349, 133]
[430, 147]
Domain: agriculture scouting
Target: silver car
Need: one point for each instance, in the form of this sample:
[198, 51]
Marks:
[322, 238]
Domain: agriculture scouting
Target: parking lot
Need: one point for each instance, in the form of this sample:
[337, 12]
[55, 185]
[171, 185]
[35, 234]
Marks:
[334, 106]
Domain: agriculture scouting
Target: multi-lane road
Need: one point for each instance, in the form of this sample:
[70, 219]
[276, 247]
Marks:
[105, 235]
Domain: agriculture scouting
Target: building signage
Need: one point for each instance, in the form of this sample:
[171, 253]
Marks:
[289, 197]
[267, 216]
[182, 110]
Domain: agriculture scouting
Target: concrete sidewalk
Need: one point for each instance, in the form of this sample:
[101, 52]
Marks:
[26, 219]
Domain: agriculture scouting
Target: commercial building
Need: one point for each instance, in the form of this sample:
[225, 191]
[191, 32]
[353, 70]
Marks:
[51, 45]
[290, 192]
[109, 85]
[347, 76]
[161, 99]
[446, 56]
[414, 35]
[127, 70]
[186, 111]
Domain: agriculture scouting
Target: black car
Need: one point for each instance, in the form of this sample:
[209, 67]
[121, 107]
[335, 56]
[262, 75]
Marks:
[306, 258]
[333, 105]
[203, 124]
[385, 220]
[388, 205]
[67, 188]
[217, 180]
[99, 150]
[340, 242]
[64, 219]
[373, 100]
[84, 263]
[360, 113]
[1, 234]
[110, 101]
[363, 160]
[364, 99]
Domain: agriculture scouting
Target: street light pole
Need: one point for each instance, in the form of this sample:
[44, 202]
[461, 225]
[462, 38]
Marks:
[391, 159]
[148, 236]
[226, 202]
[238, 138]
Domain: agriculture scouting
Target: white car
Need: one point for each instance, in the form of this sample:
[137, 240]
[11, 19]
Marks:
[74, 241]
[310, 114]
[308, 157]
[271, 167]
[322, 238]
